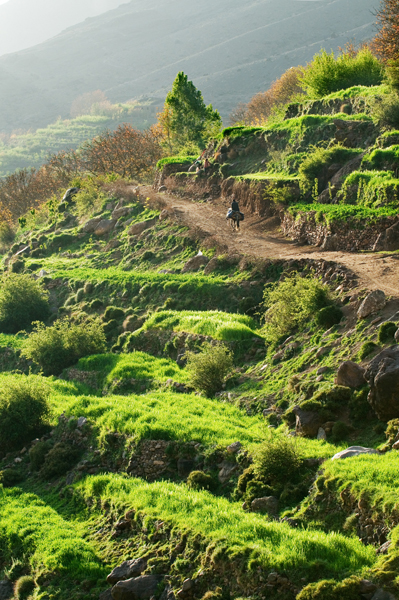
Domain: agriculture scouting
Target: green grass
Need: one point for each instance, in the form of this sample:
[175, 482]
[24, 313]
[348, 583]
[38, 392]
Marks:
[33, 531]
[11, 341]
[175, 160]
[267, 175]
[219, 325]
[267, 544]
[343, 212]
[374, 189]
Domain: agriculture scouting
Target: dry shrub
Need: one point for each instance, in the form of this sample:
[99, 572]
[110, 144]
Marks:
[82, 105]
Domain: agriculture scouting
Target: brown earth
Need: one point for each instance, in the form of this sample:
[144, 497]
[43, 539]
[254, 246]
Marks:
[260, 237]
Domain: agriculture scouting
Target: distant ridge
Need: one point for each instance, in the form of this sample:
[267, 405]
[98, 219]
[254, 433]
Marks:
[230, 48]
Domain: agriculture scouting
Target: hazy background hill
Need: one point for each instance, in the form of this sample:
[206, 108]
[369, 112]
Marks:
[230, 48]
[25, 23]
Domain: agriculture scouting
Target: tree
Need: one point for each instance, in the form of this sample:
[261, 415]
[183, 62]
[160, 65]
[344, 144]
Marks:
[186, 121]
[386, 42]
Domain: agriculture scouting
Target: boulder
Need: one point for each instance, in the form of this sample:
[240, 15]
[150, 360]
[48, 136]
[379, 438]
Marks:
[350, 374]
[321, 434]
[382, 595]
[382, 375]
[120, 212]
[138, 228]
[226, 471]
[397, 336]
[211, 266]
[388, 239]
[374, 302]
[268, 504]
[307, 422]
[354, 451]
[195, 263]
[185, 466]
[70, 193]
[107, 595]
[138, 588]
[6, 590]
[90, 226]
[127, 570]
[164, 215]
[234, 447]
[105, 226]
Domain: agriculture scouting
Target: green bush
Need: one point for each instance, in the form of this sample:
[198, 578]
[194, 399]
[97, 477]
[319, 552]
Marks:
[22, 301]
[277, 460]
[386, 332]
[38, 453]
[315, 165]
[24, 587]
[292, 303]
[348, 589]
[59, 460]
[366, 349]
[63, 344]
[113, 312]
[24, 409]
[386, 110]
[9, 477]
[328, 73]
[340, 431]
[329, 316]
[198, 480]
[209, 368]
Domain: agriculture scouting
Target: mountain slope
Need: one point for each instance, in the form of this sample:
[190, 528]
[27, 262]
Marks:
[231, 50]
[25, 23]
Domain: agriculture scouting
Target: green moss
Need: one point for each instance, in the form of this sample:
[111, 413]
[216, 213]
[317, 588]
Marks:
[386, 332]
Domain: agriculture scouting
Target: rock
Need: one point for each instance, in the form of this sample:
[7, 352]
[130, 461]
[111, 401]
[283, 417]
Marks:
[185, 466]
[307, 422]
[397, 336]
[42, 273]
[138, 588]
[388, 239]
[188, 584]
[372, 303]
[382, 375]
[123, 524]
[321, 434]
[81, 422]
[181, 360]
[226, 471]
[331, 243]
[167, 594]
[321, 370]
[127, 570]
[211, 266]
[354, 451]
[120, 212]
[195, 263]
[395, 446]
[350, 375]
[70, 193]
[91, 225]
[234, 447]
[107, 595]
[384, 548]
[164, 215]
[105, 226]
[138, 228]
[6, 590]
[367, 587]
[381, 595]
[162, 188]
[268, 504]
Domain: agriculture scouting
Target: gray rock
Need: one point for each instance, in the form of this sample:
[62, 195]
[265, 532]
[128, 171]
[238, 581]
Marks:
[120, 212]
[226, 471]
[107, 595]
[397, 336]
[188, 584]
[307, 422]
[331, 243]
[185, 466]
[321, 434]
[81, 422]
[374, 302]
[234, 447]
[381, 595]
[162, 188]
[354, 451]
[6, 590]
[181, 360]
[195, 263]
[127, 570]
[167, 593]
[384, 548]
[164, 215]
[138, 228]
[139, 588]
[268, 504]
[70, 193]
[350, 375]
[91, 225]
[382, 375]
[105, 226]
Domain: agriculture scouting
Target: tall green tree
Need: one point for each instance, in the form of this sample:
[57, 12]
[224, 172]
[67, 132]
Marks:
[186, 121]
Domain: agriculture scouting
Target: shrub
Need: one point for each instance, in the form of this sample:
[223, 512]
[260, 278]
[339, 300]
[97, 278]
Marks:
[38, 453]
[348, 589]
[63, 344]
[386, 110]
[340, 431]
[328, 73]
[291, 303]
[198, 480]
[59, 460]
[329, 316]
[366, 349]
[24, 409]
[277, 459]
[209, 368]
[9, 477]
[386, 332]
[22, 301]
[113, 312]
[24, 587]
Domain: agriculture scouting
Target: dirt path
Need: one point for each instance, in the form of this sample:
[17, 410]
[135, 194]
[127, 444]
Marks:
[375, 271]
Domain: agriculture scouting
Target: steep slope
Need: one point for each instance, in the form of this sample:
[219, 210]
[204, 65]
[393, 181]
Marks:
[49, 18]
[231, 50]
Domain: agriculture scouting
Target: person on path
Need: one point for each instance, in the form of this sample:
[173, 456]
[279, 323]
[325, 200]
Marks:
[236, 212]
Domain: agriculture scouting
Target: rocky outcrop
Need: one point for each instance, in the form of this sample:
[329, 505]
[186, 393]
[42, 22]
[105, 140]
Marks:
[350, 375]
[388, 239]
[307, 422]
[354, 451]
[373, 302]
[105, 226]
[382, 375]
[268, 504]
[138, 588]
[127, 570]
[138, 228]
[195, 263]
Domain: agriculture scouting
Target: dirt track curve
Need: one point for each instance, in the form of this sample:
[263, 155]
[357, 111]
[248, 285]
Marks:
[375, 271]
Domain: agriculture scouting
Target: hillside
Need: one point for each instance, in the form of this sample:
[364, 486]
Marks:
[139, 47]
[25, 23]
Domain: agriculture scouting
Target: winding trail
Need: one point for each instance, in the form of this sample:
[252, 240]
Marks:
[256, 238]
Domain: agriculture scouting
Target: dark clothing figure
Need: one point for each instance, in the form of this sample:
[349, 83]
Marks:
[207, 164]
[236, 209]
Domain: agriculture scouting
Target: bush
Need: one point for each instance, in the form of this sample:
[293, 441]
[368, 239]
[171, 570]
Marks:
[366, 349]
[340, 431]
[113, 312]
[24, 587]
[59, 460]
[291, 303]
[62, 345]
[38, 453]
[24, 409]
[22, 301]
[209, 368]
[198, 480]
[329, 316]
[386, 332]
[327, 73]
[386, 110]
[9, 477]
[277, 459]
[348, 589]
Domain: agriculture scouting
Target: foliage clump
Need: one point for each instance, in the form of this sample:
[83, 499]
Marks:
[198, 480]
[59, 460]
[366, 349]
[277, 459]
[22, 301]
[348, 589]
[329, 316]
[9, 477]
[209, 368]
[24, 587]
[63, 344]
[38, 453]
[386, 332]
[292, 303]
[24, 409]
